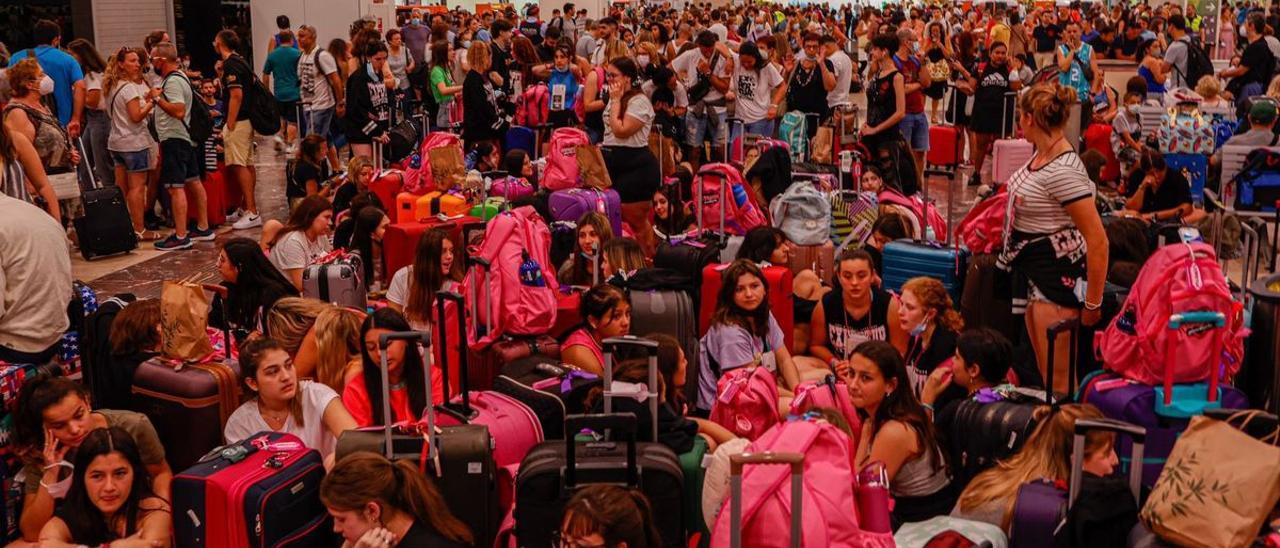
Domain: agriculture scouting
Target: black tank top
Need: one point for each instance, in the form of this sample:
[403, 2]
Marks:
[844, 332]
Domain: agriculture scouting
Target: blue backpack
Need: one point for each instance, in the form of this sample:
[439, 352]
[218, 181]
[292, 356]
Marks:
[795, 131]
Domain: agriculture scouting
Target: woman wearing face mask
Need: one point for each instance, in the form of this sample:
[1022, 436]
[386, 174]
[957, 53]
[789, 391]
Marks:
[896, 431]
[461, 49]
[111, 502]
[304, 239]
[1151, 69]
[606, 312]
[809, 78]
[932, 324]
[859, 311]
[757, 90]
[376, 503]
[27, 115]
[280, 403]
[368, 115]
[562, 82]
[363, 395]
[53, 419]
[991, 82]
[129, 104]
[484, 121]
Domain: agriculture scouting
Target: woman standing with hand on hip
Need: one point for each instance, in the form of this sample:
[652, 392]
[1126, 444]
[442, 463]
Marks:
[1054, 244]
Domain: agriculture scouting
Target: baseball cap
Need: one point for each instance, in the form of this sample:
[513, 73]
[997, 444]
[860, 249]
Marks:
[1263, 112]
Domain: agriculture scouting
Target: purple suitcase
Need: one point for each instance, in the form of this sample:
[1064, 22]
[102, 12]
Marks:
[571, 204]
[1041, 505]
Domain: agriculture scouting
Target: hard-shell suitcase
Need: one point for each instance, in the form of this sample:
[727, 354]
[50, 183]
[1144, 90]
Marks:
[106, 228]
[905, 259]
[981, 305]
[819, 258]
[781, 304]
[944, 147]
[1260, 373]
[669, 311]
[215, 199]
[981, 434]
[188, 404]
[571, 204]
[543, 384]
[553, 470]
[262, 492]
[400, 241]
[1008, 156]
[1041, 506]
[340, 282]
[386, 185]
[438, 203]
[459, 459]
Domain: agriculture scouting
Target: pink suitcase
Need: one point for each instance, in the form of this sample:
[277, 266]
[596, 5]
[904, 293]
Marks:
[1008, 156]
[514, 427]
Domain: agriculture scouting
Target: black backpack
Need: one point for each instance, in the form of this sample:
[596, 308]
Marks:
[260, 105]
[200, 128]
[1198, 64]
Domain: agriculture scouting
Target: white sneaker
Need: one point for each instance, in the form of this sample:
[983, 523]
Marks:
[249, 220]
[235, 215]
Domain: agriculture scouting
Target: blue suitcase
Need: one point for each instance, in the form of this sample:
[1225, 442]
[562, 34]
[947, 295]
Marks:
[1195, 167]
[523, 138]
[905, 259]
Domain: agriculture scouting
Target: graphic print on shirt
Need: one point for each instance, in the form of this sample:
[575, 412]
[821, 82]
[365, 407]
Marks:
[747, 84]
[844, 338]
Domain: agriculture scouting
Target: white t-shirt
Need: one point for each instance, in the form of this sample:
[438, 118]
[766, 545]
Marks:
[92, 81]
[754, 90]
[844, 77]
[639, 108]
[720, 30]
[686, 65]
[294, 250]
[314, 88]
[127, 135]
[246, 421]
[398, 293]
[680, 93]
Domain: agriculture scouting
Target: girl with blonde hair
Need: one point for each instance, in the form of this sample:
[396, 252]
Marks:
[291, 322]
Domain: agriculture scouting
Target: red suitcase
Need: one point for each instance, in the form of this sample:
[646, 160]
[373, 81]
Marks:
[232, 197]
[263, 491]
[386, 185]
[400, 241]
[781, 304]
[944, 146]
[1098, 137]
[216, 197]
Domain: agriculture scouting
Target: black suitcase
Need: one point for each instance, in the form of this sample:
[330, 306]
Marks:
[552, 471]
[461, 462]
[105, 229]
[982, 433]
[540, 383]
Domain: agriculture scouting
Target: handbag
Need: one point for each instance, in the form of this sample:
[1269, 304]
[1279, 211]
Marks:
[699, 90]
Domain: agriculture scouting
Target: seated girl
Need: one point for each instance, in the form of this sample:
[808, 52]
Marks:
[608, 515]
[253, 287]
[344, 223]
[281, 403]
[134, 338]
[376, 503]
[52, 420]
[337, 344]
[363, 395]
[743, 333]
[669, 215]
[620, 258]
[768, 246]
[292, 323]
[111, 502]
[483, 157]
[310, 171]
[413, 289]
[1156, 193]
[860, 311]
[1046, 455]
[594, 231]
[517, 164]
[673, 366]
[606, 312]
[370, 224]
[897, 432]
[359, 176]
[304, 239]
[983, 357]
[926, 315]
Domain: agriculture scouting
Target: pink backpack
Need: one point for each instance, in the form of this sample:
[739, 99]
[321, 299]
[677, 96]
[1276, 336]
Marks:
[522, 281]
[579, 106]
[929, 214]
[746, 401]
[828, 393]
[982, 230]
[741, 213]
[419, 181]
[828, 509]
[511, 188]
[562, 158]
[1176, 278]
[534, 106]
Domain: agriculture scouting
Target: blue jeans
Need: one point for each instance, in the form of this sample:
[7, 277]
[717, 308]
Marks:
[915, 129]
[763, 128]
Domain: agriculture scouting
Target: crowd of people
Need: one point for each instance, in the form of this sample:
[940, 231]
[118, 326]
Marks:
[696, 81]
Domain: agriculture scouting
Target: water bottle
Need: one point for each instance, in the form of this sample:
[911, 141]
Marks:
[930, 234]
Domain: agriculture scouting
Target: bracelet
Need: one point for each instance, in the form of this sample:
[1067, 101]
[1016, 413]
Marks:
[1092, 306]
[928, 406]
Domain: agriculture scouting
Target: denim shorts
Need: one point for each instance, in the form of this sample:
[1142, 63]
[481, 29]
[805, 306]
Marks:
[133, 162]
[179, 163]
[320, 122]
[915, 129]
[699, 129]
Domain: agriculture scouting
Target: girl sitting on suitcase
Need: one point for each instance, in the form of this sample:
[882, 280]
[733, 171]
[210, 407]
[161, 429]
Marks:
[594, 231]
[1047, 455]
[376, 503]
[897, 431]
[932, 324]
[304, 239]
[608, 515]
[253, 287]
[408, 387]
[282, 403]
[743, 333]
[413, 288]
[606, 312]
[110, 502]
[669, 215]
[861, 310]
[52, 420]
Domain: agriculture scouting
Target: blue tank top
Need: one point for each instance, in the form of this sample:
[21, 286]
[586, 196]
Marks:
[566, 79]
[1152, 85]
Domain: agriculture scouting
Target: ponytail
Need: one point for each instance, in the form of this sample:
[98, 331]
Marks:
[419, 496]
[651, 534]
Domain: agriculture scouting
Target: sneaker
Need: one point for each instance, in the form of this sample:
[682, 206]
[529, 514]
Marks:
[173, 242]
[206, 235]
[235, 215]
[248, 221]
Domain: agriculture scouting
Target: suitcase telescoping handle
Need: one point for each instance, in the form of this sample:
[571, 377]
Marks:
[618, 424]
[1214, 319]
[1071, 325]
[1137, 434]
[411, 337]
[464, 378]
[473, 261]
[611, 345]
[736, 463]
[85, 164]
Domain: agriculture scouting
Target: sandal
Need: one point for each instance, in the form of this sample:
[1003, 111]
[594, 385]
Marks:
[148, 236]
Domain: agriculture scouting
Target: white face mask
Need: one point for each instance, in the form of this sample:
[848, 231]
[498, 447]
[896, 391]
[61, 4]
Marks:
[60, 489]
[46, 85]
[643, 60]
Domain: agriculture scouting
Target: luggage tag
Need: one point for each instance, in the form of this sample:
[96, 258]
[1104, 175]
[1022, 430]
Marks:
[730, 392]
[846, 161]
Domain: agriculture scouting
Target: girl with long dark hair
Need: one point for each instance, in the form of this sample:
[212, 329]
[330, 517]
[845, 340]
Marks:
[253, 285]
[363, 395]
[435, 268]
[370, 224]
[304, 238]
[606, 312]
[376, 502]
[632, 166]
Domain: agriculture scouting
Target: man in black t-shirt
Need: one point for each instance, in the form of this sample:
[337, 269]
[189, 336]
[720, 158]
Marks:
[1257, 63]
[1157, 193]
[1045, 35]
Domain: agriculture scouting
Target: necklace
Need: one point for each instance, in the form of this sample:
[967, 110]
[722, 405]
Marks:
[803, 77]
[272, 418]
